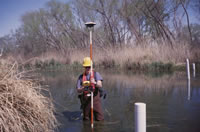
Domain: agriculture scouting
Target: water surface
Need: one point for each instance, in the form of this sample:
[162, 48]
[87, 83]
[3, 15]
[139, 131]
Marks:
[172, 104]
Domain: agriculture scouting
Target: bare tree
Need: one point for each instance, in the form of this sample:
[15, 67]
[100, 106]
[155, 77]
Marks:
[188, 20]
[60, 26]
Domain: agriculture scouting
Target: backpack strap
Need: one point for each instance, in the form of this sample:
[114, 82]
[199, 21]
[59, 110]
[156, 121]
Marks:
[84, 78]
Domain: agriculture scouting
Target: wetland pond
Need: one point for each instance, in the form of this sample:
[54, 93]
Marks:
[172, 104]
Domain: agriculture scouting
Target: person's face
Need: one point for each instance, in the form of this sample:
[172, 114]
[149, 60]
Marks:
[87, 70]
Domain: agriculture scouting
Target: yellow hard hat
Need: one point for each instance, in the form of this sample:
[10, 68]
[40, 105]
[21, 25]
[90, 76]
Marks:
[86, 62]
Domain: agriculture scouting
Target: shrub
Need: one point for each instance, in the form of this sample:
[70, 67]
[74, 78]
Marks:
[22, 107]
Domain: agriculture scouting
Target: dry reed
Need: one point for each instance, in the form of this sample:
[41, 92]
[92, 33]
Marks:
[22, 107]
[145, 53]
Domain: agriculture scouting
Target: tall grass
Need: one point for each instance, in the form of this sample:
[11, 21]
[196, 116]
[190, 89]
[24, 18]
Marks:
[136, 56]
[145, 53]
[22, 107]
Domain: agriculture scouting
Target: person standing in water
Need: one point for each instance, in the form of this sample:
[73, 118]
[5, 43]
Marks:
[83, 89]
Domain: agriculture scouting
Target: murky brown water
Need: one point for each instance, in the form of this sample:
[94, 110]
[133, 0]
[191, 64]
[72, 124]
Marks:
[171, 105]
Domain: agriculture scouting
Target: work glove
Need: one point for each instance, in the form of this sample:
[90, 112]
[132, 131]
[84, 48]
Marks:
[105, 94]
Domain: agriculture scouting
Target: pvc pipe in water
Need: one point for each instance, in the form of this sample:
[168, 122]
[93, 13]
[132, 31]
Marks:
[140, 117]
[188, 69]
[194, 69]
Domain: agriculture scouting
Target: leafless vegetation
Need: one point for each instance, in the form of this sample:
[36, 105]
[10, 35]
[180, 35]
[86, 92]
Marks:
[22, 107]
[59, 27]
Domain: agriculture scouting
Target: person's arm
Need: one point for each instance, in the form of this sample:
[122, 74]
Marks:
[79, 87]
[97, 83]
[99, 79]
[80, 90]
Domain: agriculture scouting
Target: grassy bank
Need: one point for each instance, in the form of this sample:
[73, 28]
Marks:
[22, 107]
[145, 58]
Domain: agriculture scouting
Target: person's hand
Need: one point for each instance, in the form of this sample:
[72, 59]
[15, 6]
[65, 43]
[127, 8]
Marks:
[80, 89]
[93, 81]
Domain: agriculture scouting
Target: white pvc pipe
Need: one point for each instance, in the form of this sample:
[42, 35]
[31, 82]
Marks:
[140, 117]
[188, 69]
[194, 69]
[92, 107]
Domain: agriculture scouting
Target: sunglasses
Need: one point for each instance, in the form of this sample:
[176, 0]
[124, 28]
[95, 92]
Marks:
[87, 67]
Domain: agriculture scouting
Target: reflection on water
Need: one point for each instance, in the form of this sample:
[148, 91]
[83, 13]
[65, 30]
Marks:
[188, 87]
[173, 105]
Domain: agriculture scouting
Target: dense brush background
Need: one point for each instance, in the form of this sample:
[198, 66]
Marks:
[126, 30]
